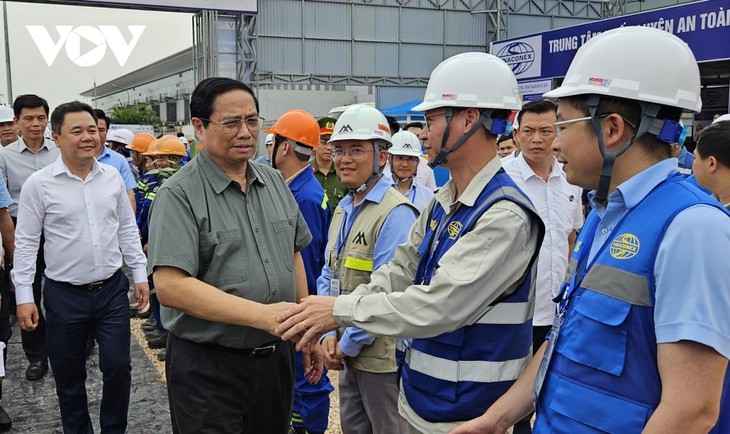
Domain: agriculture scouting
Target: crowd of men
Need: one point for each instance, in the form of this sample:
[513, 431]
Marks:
[462, 309]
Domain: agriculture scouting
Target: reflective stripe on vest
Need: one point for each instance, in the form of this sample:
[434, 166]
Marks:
[478, 371]
[358, 264]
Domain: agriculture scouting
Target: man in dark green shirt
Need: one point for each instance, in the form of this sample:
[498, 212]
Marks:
[323, 166]
[224, 248]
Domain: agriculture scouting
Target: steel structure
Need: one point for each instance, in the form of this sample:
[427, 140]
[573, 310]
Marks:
[333, 43]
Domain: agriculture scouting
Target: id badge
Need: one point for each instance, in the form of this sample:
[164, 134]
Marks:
[335, 283]
[545, 362]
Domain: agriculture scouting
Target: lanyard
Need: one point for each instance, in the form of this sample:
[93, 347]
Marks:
[582, 265]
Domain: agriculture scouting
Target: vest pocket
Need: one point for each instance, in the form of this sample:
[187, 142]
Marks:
[578, 409]
[595, 332]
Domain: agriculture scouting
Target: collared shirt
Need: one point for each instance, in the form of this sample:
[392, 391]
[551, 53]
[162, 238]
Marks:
[424, 174]
[691, 303]
[88, 226]
[117, 161]
[393, 232]
[418, 194]
[333, 187]
[202, 223]
[479, 267]
[17, 163]
[558, 203]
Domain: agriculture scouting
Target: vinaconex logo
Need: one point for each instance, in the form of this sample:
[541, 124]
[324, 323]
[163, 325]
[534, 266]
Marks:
[95, 41]
[518, 55]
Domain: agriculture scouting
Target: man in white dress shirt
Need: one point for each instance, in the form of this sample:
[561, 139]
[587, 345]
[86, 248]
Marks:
[83, 209]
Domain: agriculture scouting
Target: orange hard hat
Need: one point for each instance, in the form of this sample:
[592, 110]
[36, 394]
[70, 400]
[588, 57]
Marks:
[167, 145]
[299, 126]
[141, 142]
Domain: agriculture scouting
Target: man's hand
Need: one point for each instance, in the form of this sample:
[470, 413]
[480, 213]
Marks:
[333, 355]
[268, 321]
[27, 316]
[480, 425]
[310, 318]
[142, 294]
[312, 359]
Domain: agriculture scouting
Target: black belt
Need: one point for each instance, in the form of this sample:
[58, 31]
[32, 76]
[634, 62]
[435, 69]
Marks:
[91, 287]
[261, 351]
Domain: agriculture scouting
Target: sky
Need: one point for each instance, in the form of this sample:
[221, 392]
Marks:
[99, 40]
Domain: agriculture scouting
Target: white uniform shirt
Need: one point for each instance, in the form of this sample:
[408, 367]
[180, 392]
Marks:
[559, 205]
[88, 225]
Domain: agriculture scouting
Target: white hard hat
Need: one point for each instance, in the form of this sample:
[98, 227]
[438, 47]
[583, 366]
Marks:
[6, 113]
[120, 135]
[269, 139]
[722, 118]
[636, 63]
[477, 80]
[405, 143]
[361, 122]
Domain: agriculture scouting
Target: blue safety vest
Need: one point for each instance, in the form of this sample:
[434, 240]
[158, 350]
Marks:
[603, 374]
[458, 375]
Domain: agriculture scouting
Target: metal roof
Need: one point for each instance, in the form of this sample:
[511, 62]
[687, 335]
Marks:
[175, 64]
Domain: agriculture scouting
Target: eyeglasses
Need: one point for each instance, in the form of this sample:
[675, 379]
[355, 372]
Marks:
[354, 153]
[559, 125]
[230, 126]
[430, 118]
[559, 128]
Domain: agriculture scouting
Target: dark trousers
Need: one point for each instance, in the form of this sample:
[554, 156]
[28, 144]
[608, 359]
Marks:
[73, 314]
[34, 342]
[218, 391]
[539, 333]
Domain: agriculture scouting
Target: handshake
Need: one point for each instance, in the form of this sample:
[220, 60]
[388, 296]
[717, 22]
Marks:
[305, 323]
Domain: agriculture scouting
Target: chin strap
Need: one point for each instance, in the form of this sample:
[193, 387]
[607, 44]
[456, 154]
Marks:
[665, 130]
[494, 126]
[377, 170]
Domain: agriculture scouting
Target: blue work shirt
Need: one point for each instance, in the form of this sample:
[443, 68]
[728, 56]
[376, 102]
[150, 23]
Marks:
[5, 199]
[313, 205]
[418, 194]
[394, 232]
[120, 163]
[692, 305]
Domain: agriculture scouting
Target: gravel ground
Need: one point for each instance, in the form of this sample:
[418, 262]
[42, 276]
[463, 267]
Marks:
[334, 425]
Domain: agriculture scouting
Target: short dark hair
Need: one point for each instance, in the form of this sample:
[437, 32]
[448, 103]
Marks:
[538, 107]
[393, 124]
[60, 112]
[413, 124]
[504, 137]
[29, 101]
[714, 141]
[630, 110]
[100, 115]
[205, 93]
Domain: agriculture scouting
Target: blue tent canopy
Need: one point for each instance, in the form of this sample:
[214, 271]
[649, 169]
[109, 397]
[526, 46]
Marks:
[405, 112]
